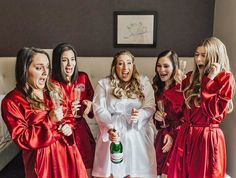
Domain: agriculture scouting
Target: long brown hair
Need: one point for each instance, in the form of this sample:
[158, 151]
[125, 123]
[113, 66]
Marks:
[159, 85]
[56, 62]
[23, 61]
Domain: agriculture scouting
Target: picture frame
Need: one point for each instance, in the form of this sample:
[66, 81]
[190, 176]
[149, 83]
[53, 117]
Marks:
[135, 28]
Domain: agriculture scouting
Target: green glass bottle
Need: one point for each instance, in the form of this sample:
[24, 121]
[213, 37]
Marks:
[116, 151]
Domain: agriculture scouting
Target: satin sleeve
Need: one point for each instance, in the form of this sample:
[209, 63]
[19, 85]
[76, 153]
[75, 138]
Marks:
[216, 94]
[25, 130]
[148, 108]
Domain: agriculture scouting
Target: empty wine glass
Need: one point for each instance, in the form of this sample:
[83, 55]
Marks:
[182, 68]
[132, 111]
[161, 108]
[77, 93]
[55, 99]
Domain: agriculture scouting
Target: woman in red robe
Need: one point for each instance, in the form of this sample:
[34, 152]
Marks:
[199, 150]
[41, 131]
[165, 90]
[66, 75]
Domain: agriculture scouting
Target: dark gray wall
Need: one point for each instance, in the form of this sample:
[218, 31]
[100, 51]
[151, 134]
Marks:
[88, 24]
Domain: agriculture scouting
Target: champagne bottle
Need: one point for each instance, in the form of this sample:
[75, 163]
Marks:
[116, 151]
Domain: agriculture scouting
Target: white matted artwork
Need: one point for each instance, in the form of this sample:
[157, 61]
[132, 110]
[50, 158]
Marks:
[135, 29]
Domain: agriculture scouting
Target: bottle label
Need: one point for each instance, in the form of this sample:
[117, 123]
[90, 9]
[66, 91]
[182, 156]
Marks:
[117, 158]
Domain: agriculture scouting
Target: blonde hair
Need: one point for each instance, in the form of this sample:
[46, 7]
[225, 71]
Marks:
[215, 52]
[129, 89]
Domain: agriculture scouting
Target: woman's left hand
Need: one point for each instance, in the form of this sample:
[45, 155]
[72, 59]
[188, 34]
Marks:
[168, 141]
[113, 135]
[214, 70]
[88, 105]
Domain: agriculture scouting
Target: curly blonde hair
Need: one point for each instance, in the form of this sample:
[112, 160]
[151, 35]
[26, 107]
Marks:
[131, 88]
[215, 53]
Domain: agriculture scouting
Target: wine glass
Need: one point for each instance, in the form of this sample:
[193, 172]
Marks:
[182, 68]
[134, 121]
[160, 105]
[77, 93]
[55, 99]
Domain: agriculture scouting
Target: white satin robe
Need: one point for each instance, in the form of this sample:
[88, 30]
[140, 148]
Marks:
[137, 138]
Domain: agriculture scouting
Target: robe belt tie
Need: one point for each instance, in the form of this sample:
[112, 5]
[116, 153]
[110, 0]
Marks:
[201, 125]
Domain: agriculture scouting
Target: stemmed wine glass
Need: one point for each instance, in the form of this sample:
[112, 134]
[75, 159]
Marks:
[55, 99]
[77, 93]
[182, 68]
[160, 105]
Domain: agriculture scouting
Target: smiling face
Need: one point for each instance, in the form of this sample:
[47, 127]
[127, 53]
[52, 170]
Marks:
[38, 71]
[165, 69]
[124, 67]
[68, 63]
[200, 58]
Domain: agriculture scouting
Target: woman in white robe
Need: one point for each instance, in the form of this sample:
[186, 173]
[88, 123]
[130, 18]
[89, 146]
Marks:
[125, 101]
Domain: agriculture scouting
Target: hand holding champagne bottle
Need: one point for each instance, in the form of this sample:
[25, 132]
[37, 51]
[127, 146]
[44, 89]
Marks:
[116, 150]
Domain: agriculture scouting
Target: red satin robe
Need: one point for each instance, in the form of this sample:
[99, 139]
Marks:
[46, 152]
[83, 135]
[173, 120]
[200, 150]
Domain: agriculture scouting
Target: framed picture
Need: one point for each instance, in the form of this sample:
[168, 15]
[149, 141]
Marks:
[135, 29]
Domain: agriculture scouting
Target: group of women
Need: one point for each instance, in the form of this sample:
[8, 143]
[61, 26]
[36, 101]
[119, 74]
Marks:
[169, 128]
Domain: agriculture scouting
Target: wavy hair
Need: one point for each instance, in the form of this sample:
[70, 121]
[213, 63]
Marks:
[159, 85]
[130, 88]
[23, 61]
[215, 52]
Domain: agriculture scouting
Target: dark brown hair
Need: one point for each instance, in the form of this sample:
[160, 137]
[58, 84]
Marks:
[159, 85]
[56, 62]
